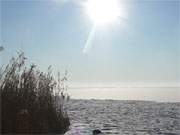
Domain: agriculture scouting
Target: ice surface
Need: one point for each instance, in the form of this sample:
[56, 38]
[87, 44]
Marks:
[123, 117]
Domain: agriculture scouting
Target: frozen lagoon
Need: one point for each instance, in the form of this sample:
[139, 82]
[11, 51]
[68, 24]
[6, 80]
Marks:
[124, 117]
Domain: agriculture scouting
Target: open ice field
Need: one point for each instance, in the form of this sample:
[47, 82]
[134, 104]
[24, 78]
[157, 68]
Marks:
[124, 117]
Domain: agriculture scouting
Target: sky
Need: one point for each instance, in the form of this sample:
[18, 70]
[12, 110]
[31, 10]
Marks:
[144, 46]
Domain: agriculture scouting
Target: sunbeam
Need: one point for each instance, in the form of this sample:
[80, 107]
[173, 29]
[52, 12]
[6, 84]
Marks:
[88, 44]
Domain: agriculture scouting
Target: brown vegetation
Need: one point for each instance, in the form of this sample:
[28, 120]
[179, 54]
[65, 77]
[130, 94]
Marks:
[31, 101]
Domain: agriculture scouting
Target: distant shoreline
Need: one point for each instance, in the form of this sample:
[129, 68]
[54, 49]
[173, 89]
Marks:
[150, 101]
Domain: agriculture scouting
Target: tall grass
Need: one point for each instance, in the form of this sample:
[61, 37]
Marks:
[32, 101]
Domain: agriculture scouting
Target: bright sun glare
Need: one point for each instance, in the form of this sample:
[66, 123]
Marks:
[103, 11]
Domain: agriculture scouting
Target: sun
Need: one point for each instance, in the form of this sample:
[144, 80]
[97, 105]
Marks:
[103, 11]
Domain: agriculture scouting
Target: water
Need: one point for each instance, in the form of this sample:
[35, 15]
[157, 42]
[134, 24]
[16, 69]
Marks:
[123, 117]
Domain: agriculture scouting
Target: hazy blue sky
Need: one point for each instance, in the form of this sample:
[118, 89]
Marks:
[144, 47]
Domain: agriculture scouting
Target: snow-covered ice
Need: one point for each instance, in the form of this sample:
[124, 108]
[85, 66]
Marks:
[117, 117]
